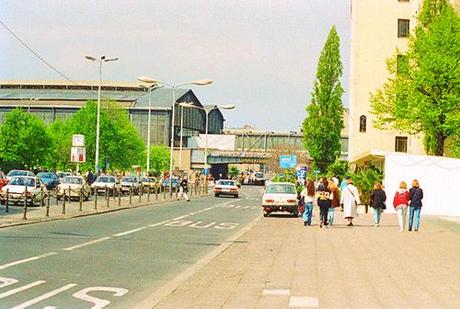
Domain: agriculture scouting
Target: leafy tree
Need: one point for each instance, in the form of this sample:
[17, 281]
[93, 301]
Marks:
[338, 168]
[234, 172]
[322, 126]
[24, 139]
[364, 179]
[422, 93]
[61, 141]
[159, 159]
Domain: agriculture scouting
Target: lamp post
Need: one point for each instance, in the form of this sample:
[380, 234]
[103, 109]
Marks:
[207, 111]
[149, 88]
[149, 80]
[100, 60]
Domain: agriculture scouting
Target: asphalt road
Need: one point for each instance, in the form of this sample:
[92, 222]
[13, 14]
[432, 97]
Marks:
[117, 259]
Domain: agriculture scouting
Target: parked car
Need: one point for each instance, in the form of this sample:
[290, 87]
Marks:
[103, 182]
[165, 183]
[16, 187]
[14, 173]
[61, 175]
[3, 179]
[77, 184]
[50, 179]
[129, 183]
[226, 187]
[280, 197]
[149, 183]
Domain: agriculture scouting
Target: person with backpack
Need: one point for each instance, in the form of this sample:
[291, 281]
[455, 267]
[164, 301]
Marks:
[400, 202]
[307, 196]
[377, 201]
[415, 205]
[350, 200]
[324, 202]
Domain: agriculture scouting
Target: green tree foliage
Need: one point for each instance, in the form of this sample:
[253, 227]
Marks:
[234, 172]
[338, 168]
[322, 126]
[364, 179]
[422, 93]
[24, 140]
[61, 142]
[159, 159]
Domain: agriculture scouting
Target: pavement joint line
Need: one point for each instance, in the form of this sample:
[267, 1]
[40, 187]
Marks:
[21, 288]
[44, 296]
[86, 244]
[303, 302]
[276, 292]
[157, 296]
[27, 260]
[130, 232]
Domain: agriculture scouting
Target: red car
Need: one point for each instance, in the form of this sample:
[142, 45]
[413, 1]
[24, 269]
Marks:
[3, 180]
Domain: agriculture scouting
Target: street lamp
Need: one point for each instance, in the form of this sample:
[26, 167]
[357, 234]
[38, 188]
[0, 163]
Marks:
[148, 80]
[207, 111]
[100, 60]
[149, 88]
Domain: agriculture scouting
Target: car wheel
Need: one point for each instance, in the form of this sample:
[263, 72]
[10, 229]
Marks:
[235, 196]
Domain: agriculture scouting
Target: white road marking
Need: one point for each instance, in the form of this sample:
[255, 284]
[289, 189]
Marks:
[159, 223]
[303, 302]
[98, 302]
[27, 260]
[86, 244]
[131, 231]
[181, 217]
[20, 289]
[198, 226]
[7, 282]
[44, 296]
[276, 292]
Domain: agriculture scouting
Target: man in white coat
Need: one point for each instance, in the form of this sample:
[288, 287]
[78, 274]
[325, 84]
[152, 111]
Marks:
[349, 199]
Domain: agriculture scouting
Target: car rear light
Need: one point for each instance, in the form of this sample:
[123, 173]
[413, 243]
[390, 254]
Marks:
[233, 190]
[269, 201]
[292, 201]
[218, 189]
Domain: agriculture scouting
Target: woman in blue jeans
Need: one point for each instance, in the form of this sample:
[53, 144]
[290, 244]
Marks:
[415, 205]
[308, 194]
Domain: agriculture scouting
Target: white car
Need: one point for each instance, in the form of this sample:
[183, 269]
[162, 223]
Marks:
[104, 183]
[280, 197]
[36, 189]
[226, 187]
[129, 183]
[76, 184]
[15, 173]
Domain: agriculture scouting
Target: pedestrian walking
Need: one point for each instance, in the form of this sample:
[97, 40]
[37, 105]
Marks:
[335, 202]
[377, 201]
[308, 195]
[400, 203]
[183, 190]
[324, 201]
[415, 205]
[350, 200]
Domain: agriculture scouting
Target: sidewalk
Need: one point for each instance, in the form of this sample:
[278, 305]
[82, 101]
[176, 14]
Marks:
[282, 264]
[15, 216]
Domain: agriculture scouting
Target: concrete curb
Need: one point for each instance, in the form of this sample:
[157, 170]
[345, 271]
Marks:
[86, 214]
[173, 284]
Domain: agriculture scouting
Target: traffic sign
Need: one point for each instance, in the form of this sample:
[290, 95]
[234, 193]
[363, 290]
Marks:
[288, 161]
[78, 154]
[78, 140]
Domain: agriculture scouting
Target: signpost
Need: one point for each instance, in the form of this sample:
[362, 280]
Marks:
[288, 161]
[78, 150]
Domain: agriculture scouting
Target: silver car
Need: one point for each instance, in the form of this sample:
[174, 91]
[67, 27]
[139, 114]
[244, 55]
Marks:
[33, 187]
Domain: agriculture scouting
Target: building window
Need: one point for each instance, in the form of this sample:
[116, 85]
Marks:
[401, 144]
[362, 123]
[403, 28]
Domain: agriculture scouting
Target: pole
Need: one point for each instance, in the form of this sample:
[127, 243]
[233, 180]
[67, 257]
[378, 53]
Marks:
[98, 117]
[148, 129]
[172, 139]
[181, 128]
[206, 144]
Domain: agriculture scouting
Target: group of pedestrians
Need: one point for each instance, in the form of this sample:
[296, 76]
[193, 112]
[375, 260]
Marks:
[329, 197]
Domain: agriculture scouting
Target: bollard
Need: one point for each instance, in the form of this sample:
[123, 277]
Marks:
[63, 203]
[106, 192]
[42, 194]
[108, 198]
[164, 193]
[95, 199]
[191, 190]
[81, 200]
[70, 195]
[130, 195]
[7, 200]
[156, 192]
[119, 198]
[139, 192]
[48, 197]
[148, 194]
[25, 205]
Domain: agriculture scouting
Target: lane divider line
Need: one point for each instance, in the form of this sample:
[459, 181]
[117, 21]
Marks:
[5, 266]
[86, 244]
[131, 231]
[44, 296]
[21, 288]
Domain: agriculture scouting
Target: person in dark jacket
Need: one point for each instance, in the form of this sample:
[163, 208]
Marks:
[378, 198]
[324, 201]
[415, 205]
[183, 190]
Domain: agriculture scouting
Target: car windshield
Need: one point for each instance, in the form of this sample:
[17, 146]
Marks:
[45, 175]
[259, 175]
[105, 179]
[226, 183]
[129, 179]
[73, 180]
[19, 173]
[23, 181]
[63, 174]
[280, 188]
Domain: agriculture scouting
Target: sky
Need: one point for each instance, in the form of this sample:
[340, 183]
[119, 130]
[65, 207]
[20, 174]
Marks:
[262, 55]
